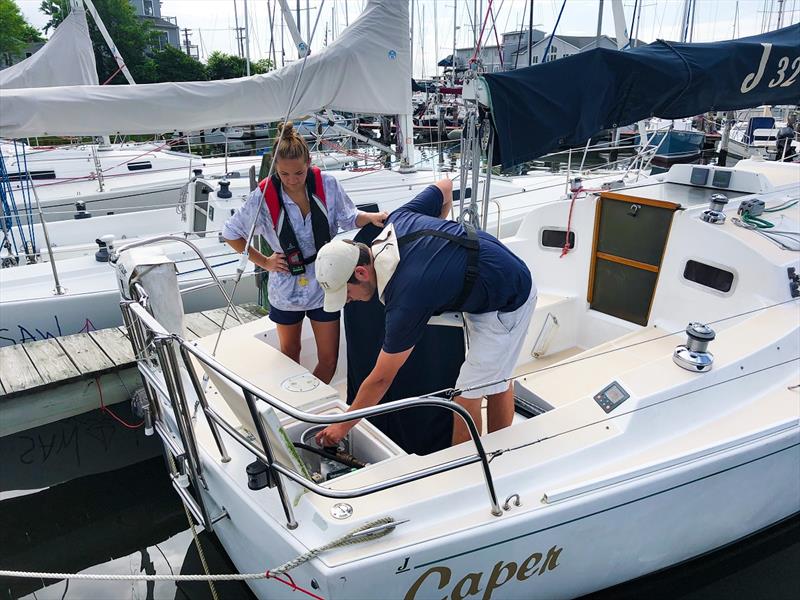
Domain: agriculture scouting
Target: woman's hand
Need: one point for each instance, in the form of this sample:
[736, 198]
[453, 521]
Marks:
[274, 263]
[378, 219]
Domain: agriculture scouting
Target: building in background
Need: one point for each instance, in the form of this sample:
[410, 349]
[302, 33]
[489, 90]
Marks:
[167, 27]
[514, 49]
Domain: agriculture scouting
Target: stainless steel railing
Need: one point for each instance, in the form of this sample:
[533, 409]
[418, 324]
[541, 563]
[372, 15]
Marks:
[158, 352]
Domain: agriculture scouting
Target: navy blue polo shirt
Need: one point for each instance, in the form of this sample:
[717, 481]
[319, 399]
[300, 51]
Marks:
[430, 275]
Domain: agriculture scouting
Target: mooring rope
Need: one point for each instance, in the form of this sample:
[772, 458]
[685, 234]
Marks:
[356, 536]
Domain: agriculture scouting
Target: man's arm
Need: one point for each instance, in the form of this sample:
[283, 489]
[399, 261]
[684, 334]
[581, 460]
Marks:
[446, 187]
[369, 394]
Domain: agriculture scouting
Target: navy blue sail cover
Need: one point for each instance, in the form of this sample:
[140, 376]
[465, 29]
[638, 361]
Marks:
[563, 103]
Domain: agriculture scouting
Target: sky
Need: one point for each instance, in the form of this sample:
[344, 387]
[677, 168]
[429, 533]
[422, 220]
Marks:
[212, 22]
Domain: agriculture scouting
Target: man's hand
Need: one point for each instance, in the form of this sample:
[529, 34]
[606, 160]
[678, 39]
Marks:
[332, 434]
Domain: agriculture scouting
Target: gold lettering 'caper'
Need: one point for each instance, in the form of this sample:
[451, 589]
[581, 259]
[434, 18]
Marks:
[444, 579]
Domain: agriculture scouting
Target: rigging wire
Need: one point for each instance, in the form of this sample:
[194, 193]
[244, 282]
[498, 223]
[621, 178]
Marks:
[451, 392]
[606, 419]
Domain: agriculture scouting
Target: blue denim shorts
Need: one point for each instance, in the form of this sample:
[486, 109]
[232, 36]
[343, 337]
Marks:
[293, 317]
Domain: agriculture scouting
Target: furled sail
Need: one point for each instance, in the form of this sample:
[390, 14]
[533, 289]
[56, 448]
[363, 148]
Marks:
[66, 59]
[366, 69]
[542, 108]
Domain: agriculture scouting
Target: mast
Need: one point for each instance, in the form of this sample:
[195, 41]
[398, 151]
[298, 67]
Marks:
[405, 123]
[435, 39]
[455, 29]
[530, 34]
[599, 22]
[239, 51]
[111, 45]
[246, 41]
[685, 20]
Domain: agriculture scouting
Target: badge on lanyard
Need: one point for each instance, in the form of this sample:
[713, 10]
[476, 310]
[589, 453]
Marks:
[303, 281]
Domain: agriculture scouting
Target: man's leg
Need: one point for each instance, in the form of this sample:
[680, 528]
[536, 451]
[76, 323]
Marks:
[460, 431]
[500, 409]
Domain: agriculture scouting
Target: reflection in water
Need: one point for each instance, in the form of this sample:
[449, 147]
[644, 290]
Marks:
[122, 522]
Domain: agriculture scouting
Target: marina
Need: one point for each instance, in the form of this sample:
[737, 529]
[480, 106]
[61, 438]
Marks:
[553, 335]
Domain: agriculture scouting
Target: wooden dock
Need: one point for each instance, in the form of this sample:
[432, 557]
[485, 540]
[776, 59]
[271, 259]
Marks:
[52, 379]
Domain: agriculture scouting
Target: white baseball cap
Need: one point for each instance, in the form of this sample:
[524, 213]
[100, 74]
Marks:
[334, 265]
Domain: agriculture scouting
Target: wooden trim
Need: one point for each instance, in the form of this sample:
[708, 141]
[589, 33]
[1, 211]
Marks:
[646, 201]
[598, 208]
[627, 261]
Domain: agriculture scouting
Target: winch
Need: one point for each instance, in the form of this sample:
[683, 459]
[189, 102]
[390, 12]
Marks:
[694, 356]
[714, 214]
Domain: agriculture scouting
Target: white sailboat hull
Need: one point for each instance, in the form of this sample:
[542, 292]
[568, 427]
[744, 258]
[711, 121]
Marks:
[565, 550]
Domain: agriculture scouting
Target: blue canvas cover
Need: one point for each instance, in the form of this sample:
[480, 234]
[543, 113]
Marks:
[563, 103]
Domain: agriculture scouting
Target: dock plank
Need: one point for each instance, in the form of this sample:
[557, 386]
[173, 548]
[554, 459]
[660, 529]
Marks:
[217, 315]
[17, 370]
[50, 360]
[85, 353]
[115, 344]
[200, 325]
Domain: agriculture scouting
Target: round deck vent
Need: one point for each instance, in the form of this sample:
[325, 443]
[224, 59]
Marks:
[300, 383]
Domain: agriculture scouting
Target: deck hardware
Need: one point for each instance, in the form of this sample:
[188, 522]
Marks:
[341, 510]
[223, 191]
[714, 214]
[80, 208]
[140, 406]
[257, 475]
[387, 527]
[794, 282]
[222, 515]
[693, 356]
[507, 505]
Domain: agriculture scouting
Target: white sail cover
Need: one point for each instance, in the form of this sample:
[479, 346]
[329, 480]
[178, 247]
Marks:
[66, 59]
[367, 70]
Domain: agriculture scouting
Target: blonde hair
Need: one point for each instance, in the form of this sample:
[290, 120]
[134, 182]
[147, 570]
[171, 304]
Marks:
[290, 144]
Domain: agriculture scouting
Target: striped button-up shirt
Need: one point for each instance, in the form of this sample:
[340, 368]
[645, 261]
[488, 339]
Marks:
[286, 291]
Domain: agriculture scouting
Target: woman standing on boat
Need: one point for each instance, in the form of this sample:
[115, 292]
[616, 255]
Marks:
[304, 209]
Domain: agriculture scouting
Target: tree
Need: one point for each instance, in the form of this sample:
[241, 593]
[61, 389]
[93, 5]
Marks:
[173, 65]
[133, 38]
[262, 66]
[227, 66]
[15, 32]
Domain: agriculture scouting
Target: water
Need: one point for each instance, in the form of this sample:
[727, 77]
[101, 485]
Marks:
[123, 521]
[130, 520]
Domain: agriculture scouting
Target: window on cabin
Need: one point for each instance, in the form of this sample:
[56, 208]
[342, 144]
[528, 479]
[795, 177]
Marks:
[140, 166]
[708, 276]
[555, 238]
[23, 176]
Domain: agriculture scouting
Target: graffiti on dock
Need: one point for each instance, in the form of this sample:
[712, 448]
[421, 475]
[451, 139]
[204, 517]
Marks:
[19, 334]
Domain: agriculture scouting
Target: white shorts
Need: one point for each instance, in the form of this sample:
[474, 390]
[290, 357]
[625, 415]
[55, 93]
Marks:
[495, 342]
